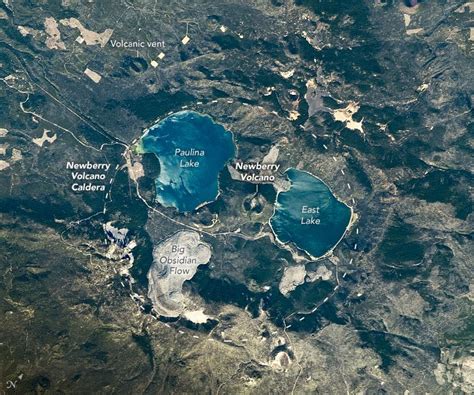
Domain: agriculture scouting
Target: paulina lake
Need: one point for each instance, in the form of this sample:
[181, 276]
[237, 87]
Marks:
[192, 150]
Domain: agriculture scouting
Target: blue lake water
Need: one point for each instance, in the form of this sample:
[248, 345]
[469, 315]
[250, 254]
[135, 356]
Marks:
[192, 150]
[308, 215]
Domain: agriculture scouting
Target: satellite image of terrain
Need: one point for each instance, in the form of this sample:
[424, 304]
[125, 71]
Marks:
[236, 197]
